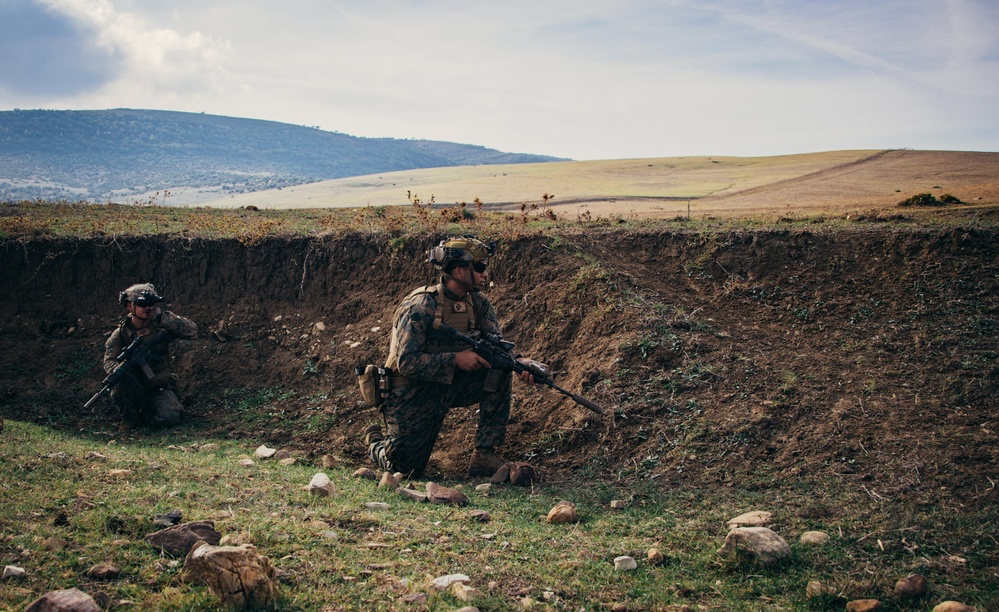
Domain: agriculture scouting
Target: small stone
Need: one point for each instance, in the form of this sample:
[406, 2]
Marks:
[288, 461]
[484, 487]
[180, 539]
[263, 452]
[563, 512]
[817, 589]
[329, 462]
[617, 504]
[319, 326]
[174, 517]
[655, 557]
[388, 481]
[412, 494]
[814, 538]
[95, 456]
[757, 544]
[69, 600]
[282, 455]
[377, 506]
[12, 571]
[444, 583]
[464, 592]
[321, 486]
[862, 605]
[480, 516]
[209, 448]
[625, 563]
[953, 606]
[444, 495]
[245, 461]
[415, 598]
[756, 518]
[467, 609]
[104, 571]
[119, 473]
[911, 586]
[365, 473]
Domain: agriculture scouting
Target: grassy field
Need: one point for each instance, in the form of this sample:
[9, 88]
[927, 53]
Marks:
[65, 511]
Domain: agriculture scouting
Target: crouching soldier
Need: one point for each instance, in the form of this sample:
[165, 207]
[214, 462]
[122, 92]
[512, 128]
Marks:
[149, 397]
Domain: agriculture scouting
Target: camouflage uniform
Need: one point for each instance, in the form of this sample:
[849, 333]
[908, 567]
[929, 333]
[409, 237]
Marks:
[427, 384]
[153, 400]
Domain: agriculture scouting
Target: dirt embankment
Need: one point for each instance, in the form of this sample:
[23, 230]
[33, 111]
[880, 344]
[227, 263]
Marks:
[865, 354]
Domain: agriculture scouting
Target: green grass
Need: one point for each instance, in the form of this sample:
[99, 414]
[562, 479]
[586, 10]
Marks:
[337, 554]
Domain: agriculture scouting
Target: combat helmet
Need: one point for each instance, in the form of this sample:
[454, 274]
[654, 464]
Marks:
[142, 294]
[461, 250]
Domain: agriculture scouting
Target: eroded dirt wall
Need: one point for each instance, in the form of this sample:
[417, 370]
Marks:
[867, 353]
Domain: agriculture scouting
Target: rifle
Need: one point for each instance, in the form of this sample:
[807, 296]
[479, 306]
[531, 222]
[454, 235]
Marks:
[497, 352]
[135, 356]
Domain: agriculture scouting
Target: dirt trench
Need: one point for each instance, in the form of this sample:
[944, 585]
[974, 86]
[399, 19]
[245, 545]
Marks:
[864, 354]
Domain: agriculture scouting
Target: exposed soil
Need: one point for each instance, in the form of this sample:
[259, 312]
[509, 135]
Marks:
[866, 353]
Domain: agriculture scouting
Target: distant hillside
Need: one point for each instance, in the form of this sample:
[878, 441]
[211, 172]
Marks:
[123, 155]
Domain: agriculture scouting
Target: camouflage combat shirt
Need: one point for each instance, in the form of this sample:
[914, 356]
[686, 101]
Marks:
[123, 336]
[412, 331]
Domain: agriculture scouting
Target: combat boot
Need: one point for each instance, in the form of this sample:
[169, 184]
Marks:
[484, 462]
[372, 433]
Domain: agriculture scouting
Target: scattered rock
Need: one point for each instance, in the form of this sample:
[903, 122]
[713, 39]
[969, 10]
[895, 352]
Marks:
[415, 598]
[282, 454]
[66, 600]
[443, 495]
[104, 571]
[480, 516]
[757, 544]
[953, 606]
[329, 462]
[814, 538]
[467, 609]
[209, 448]
[618, 504]
[288, 461]
[365, 473]
[516, 472]
[756, 518]
[388, 481]
[239, 576]
[862, 605]
[319, 326]
[443, 583]
[263, 452]
[625, 563]
[910, 587]
[169, 519]
[321, 486]
[563, 512]
[378, 506]
[245, 461]
[817, 589]
[484, 487]
[180, 539]
[95, 456]
[412, 494]
[655, 557]
[12, 571]
[464, 592]
[120, 473]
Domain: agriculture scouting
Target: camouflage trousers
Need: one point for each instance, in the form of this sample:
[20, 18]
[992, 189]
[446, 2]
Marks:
[160, 407]
[414, 415]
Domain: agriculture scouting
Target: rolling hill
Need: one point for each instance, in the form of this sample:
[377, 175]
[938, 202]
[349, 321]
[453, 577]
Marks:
[128, 155]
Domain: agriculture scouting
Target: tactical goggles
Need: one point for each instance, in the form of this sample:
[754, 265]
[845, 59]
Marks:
[479, 266]
[147, 300]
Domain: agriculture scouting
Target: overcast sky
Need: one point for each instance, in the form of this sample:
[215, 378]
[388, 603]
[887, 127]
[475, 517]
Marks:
[585, 79]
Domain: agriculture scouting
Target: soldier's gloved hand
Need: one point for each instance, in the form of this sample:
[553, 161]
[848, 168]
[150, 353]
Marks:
[526, 376]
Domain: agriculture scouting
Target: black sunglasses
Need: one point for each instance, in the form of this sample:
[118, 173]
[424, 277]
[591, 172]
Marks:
[479, 266]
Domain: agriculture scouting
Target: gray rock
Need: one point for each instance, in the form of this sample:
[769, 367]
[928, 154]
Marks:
[814, 538]
[443, 583]
[179, 539]
[321, 486]
[169, 519]
[757, 544]
[756, 518]
[625, 563]
[66, 600]
[12, 571]
[237, 575]
[104, 571]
